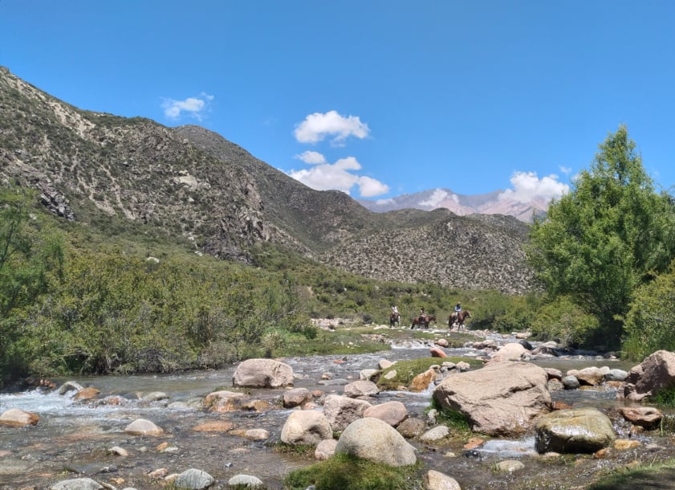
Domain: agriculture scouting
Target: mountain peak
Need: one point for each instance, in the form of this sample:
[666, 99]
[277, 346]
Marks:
[495, 202]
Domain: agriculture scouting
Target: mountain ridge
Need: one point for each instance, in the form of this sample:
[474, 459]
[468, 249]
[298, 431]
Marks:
[495, 202]
[192, 184]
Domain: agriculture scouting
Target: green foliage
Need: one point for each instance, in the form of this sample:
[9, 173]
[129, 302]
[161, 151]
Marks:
[100, 302]
[457, 421]
[497, 311]
[564, 322]
[31, 259]
[406, 370]
[607, 236]
[344, 471]
[664, 397]
[649, 323]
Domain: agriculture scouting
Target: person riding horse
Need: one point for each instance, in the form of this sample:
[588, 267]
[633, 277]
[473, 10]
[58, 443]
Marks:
[423, 319]
[395, 316]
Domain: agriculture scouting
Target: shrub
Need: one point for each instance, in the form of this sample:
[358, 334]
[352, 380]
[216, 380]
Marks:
[565, 322]
[649, 323]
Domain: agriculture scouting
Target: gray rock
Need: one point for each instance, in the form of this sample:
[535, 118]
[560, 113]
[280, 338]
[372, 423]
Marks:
[616, 375]
[377, 441]
[435, 480]
[76, 484]
[571, 382]
[306, 427]
[193, 479]
[263, 373]
[582, 430]
[436, 434]
[501, 399]
[247, 481]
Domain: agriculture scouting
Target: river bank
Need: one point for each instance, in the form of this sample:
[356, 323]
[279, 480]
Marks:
[76, 438]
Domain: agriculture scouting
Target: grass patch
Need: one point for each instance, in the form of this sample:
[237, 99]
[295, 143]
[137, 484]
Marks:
[664, 398]
[343, 471]
[661, 476]
[407, 370]
[297, 449]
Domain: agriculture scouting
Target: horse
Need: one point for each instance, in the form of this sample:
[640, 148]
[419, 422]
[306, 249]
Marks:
[418, 320]
[458, 318]
[394, 319]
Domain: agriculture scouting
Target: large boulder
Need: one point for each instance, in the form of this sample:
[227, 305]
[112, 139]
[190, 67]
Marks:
[342, 410]
[15, 417]
[393, 412]
[263, 373]
[647, 417]
[501, 399]
[655, 373]
[306, 427]
[582, 430]
[297, 397]
[377, 441]
[512, 351]
[361, 387]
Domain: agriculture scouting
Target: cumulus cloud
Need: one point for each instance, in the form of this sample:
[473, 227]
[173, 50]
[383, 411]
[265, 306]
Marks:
[339, 176]
[316, 127]
[384, 201]
[192, 106]
[369, 187]
[311, 157]
[437, 197]
[528, 187]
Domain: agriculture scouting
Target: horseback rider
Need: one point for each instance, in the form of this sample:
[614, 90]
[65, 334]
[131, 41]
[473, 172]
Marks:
[394, 310]
[458, 308]
[423, 316]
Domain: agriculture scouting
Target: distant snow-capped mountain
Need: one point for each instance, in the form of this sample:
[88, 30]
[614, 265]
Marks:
[496, 202]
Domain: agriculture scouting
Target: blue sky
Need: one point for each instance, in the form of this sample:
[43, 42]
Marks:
[373, 97]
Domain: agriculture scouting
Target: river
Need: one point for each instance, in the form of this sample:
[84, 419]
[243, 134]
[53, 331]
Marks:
[74, 439]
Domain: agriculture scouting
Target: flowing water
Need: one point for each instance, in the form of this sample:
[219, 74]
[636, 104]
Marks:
[74, 439]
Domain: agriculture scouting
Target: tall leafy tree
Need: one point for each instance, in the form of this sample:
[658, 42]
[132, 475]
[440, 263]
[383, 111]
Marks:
[607, 236]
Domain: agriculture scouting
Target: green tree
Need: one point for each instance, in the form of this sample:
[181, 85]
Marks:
[31, 257]
[607, 236]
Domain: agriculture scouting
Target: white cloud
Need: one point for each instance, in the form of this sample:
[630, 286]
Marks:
[528, 187]
[338, 176]
[438, 196]
[384, 201]
[369, 187]
[316, 127]
[565, 170]
[311, 157]
[192, 106]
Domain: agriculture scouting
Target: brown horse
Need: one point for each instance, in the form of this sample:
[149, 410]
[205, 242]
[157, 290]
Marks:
[394, 319]
[423, 322]
[458, 318]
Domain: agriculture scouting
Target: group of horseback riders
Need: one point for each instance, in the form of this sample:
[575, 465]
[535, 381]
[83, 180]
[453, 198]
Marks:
[423, 315]
[457, 316]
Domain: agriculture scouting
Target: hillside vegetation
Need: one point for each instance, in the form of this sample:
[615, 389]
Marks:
[126, 246]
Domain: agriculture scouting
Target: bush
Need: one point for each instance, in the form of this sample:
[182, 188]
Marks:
[648, 326]
[565, 322]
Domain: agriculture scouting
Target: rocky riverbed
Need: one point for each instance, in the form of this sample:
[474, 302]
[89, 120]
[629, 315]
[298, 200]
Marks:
[84, 431]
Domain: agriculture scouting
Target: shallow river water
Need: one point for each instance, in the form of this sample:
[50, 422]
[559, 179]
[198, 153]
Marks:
[74, 439]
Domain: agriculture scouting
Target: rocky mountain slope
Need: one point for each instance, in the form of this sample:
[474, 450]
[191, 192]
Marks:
[193, 184]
